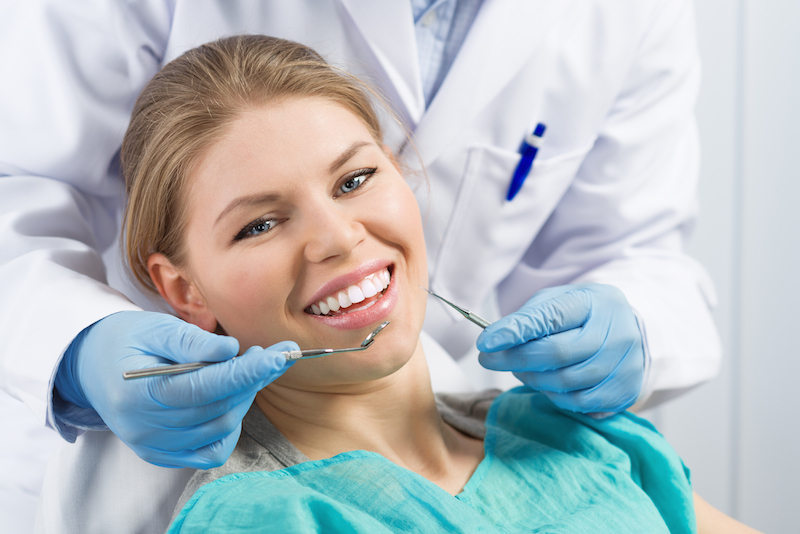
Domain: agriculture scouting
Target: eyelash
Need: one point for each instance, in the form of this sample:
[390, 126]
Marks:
[244, 233]
[368, 173]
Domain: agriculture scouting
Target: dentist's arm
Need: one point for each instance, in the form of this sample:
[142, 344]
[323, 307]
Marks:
[188, 420]
[72, 72]
[623, 222]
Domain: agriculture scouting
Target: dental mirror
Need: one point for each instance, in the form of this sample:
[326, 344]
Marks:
[316, 353]
[290, 355]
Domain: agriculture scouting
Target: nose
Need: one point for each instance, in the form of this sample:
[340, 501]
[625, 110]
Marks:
[332, 230]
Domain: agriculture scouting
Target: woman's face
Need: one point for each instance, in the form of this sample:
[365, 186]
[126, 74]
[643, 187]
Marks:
[297, 211]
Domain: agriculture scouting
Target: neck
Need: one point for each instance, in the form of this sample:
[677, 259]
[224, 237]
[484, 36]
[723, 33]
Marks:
[395, 416]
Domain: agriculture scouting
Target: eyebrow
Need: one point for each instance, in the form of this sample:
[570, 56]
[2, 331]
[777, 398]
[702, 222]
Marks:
[249, 200]
[253, 200]
[346, 155]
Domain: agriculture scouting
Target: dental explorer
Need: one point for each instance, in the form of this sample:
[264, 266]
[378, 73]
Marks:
[470, 316]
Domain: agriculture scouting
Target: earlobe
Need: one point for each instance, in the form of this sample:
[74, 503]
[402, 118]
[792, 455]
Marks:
[180, 293]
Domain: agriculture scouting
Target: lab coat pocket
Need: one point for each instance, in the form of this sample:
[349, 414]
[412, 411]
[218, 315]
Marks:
[487, 235]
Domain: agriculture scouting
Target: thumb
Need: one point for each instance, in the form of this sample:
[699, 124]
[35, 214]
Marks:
[537, 319]
[256, 368]
[184, 342]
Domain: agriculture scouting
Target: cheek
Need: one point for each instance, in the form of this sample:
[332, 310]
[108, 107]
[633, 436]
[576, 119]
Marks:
[398, 223]
[243, 291]
[400, 220]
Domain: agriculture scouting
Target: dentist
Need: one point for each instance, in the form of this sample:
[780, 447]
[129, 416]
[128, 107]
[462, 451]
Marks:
[594, 301]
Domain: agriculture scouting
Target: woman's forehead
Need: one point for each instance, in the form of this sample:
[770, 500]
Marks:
[298, 132]
[276, 150]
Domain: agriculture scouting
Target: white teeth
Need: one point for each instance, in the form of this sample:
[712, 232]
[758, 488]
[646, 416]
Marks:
[344, 300]
[377, 283]
[367, 288]
[333, 304]
[355, 294]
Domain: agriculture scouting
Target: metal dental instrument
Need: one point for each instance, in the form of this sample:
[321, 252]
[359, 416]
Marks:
[470, 316]
[290, 355]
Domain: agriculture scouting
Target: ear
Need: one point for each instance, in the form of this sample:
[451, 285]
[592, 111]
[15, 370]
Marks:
[180, 293]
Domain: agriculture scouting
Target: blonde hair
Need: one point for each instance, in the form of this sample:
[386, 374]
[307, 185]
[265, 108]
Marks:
[190, 104]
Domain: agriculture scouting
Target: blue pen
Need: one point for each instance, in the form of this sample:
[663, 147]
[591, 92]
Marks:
[530, 146]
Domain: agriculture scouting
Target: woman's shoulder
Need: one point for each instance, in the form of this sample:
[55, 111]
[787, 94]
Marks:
[623, 446]
[467, 411]
[261, 447]
[525, 407]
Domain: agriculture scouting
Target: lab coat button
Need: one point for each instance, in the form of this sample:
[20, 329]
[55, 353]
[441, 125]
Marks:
[429, 18]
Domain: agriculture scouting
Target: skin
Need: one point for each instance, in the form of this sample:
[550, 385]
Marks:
[712, 521]
[258, 288]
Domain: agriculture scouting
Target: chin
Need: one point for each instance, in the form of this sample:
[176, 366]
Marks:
[372, 371]
[348, 369]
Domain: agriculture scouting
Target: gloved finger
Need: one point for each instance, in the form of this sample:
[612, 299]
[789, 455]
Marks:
[548, 353]
[616, 393]
[178, 418]
[585, 401]
[574, 401]
[182, 342]
[550, 292]
[212, 455]
[251, 371]
[217, 453]
[195, 437]
[584, 375]
[537, 319]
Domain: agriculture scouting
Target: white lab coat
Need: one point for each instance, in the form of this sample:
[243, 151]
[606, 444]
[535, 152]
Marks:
[610, 198]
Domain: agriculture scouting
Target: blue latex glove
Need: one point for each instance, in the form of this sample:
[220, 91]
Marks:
[186, 420]
[580, 345]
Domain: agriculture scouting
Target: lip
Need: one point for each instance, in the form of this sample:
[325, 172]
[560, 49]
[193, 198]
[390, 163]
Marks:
[362, 318]
[348, 279]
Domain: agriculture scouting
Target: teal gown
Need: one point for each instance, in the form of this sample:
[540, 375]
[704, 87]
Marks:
[544, 470]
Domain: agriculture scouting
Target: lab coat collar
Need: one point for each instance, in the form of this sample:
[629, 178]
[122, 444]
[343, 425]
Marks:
[388, 29]
[504, 36]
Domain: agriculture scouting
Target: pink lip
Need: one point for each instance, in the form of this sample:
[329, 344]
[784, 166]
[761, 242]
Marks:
[348, 279]
[362, 318]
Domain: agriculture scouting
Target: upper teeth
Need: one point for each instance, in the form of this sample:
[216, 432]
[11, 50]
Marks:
[370, 286]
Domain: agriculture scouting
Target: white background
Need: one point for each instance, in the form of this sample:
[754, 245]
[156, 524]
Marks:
[740, 434]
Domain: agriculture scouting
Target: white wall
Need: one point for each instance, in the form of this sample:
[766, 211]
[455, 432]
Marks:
[740, 434]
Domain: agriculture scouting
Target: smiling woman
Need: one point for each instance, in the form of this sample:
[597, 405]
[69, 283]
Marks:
[263, 205]
[279, 223]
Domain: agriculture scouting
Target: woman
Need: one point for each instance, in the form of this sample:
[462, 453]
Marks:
[263, 205]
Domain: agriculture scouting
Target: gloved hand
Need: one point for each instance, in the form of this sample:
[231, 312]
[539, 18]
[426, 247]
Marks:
[578, 344]
[186, 420]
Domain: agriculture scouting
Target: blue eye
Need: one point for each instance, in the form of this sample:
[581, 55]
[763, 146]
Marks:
[256, 228]
[260, 228]
[356, 180]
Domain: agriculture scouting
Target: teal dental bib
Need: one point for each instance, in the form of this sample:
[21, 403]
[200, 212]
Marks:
[545, 470]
